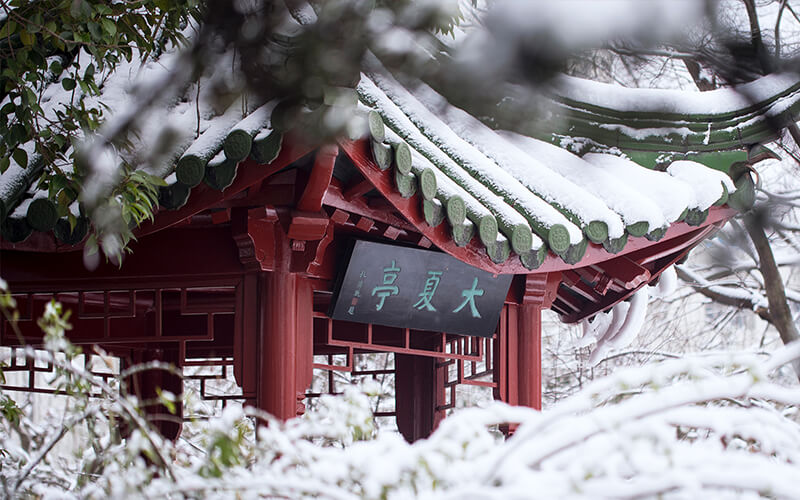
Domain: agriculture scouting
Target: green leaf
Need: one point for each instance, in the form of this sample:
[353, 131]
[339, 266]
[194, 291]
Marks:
[21, 157]
[68, 83]
[62, 205]
[58, 182]
[83, 37]
[35, 23]
[90, 247]
[29, 96]
[78, 9]
[8, 29]
[16, 134]
[109, 26]
[20, 58]
[27, 38]
[96, 30]
[36, 56]
[56, 68]
[158, 181]
[4, 163]
[166, 400]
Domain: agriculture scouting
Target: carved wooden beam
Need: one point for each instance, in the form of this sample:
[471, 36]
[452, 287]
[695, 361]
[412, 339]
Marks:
[308, 226]
[577, 285]
[203, 197]
[357, 190]
[365, 224]
[254, 234]
[334, 198]
[541, 289]
[624, 271]
[314, 268]
[320, 179]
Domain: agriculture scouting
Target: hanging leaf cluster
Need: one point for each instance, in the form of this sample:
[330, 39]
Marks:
[61, 51]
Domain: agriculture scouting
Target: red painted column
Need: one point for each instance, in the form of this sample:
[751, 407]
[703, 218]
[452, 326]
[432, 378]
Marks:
[146, 385]
[415, 395]
[519, 352]
[304, 369]
[529, 356]
[512, 358]
[246, 337]
[278, 346]
[284, 332]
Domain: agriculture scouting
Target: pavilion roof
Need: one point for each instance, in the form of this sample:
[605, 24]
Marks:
[523, 195]
[516, 194]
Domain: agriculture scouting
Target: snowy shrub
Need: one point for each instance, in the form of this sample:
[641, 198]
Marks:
[700, 427]
[683, 428]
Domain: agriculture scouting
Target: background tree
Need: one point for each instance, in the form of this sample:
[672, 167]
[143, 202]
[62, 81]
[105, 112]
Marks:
[751, 265]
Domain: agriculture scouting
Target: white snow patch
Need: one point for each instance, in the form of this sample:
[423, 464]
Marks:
[680, 102]
[476, 164]
[667, 283]
[670, 194]
[395, 118]
[631, 204]
[705, 181]
[634, 320]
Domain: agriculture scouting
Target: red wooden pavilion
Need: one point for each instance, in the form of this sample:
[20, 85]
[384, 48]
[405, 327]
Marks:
[243, 275]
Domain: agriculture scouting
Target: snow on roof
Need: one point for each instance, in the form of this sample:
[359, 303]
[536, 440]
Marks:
[581, 206]
[662, 120]
[631, 205]
[709, 185]
[680, 102]
[552, 189]
[671, 195]
[509, 192]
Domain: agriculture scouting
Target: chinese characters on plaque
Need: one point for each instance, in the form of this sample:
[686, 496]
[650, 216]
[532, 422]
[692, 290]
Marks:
[419, 289]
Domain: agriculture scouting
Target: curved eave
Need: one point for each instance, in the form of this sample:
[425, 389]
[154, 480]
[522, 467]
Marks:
[475, 254]
[670, 120]
[250, 173]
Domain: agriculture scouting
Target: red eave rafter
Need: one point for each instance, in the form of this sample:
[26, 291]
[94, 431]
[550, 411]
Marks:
[473, 253]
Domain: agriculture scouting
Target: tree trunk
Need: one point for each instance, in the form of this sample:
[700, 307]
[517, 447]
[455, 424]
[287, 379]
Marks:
[779, 312]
